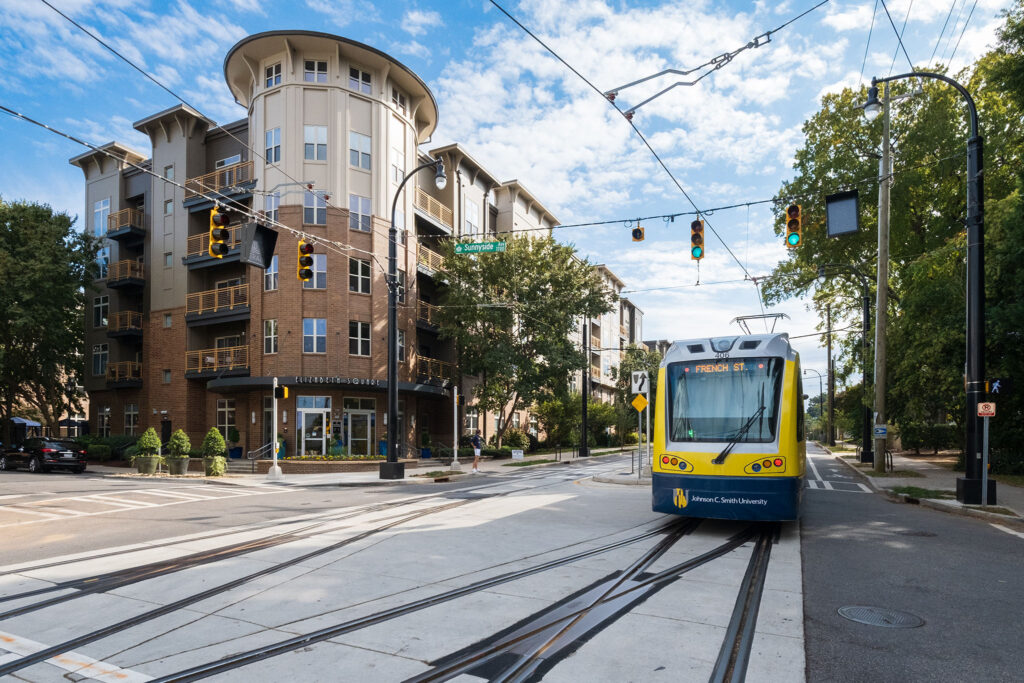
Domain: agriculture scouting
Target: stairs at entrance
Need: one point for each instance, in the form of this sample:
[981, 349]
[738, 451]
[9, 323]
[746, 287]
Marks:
[240, 466]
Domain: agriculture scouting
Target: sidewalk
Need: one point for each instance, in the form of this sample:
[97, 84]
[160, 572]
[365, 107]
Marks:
[932, 475]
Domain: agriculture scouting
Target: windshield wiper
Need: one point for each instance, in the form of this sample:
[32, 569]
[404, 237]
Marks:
[739, 435]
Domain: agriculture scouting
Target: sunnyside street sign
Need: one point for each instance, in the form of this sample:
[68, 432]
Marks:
[479, 247]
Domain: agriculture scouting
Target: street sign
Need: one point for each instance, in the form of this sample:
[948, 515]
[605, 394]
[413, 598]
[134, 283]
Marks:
[639, 403]
[986, 410]
[639, 378]
[517, 454]
[479, 247]
[880, 431]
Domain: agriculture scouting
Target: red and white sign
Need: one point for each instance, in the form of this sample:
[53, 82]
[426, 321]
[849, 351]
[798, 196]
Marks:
[986, 410]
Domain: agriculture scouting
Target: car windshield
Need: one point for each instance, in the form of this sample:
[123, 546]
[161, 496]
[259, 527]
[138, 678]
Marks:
[63, 445]
[713, 400]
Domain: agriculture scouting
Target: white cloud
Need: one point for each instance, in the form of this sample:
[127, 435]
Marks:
[344, 12]
[417, 22]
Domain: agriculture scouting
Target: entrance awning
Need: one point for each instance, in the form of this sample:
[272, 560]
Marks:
[23, 421]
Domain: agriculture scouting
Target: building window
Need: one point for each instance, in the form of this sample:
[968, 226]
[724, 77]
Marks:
[399, 101]
[401, 346]
[103, 262]
[169, 207]
[168, 259]
[272, 153]
[100, 311]
[498, 422]
[359, 150]
[131, 418]
[99, 359]
[472, 420]
[271, 205]
[472, 218]
[169, 172]
[316, 143]
[225, 415]
[397, 166]
[100, 214]
[359, 275]
[314, 209]
[359, 213]
[273, 75]
[270, 336]
[104, 420]
[315, 72]
[515, 420]
[228, 161]
[401, 286]
[359, 338]
[534, 424]
[270, 276]
[319, 279]
[359, 80]
[314, 335]
[167, 319]
[167, 376]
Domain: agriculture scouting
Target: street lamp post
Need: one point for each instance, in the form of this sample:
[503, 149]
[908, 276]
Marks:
[968, 488]
[821, 392]
[391, 468]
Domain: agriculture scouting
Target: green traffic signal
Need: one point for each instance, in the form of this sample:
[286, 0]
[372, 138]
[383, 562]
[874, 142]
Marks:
[793, 238]
[697, 252]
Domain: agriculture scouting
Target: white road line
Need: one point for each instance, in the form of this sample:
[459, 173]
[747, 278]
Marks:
[11, 508]
[828, 485]
[810, 461]
[1009, 531]
[175, 496]
[72, 661]
[864, 487]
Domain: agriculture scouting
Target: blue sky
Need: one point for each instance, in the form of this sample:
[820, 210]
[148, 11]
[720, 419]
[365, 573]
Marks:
[728, 140]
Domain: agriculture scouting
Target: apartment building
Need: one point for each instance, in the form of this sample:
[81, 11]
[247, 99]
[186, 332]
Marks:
[178, 338]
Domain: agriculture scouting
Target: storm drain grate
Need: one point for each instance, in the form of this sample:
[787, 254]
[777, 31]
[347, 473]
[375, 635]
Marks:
[879, 616]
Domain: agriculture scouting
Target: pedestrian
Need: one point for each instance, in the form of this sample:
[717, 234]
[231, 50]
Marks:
[477, 444]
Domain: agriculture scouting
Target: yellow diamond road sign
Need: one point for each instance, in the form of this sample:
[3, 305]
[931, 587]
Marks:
[639, 402]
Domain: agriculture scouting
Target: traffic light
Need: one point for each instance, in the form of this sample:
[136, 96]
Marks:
[219, 222]
[280, 392]
[304, 268]
[638, 234]
[697, 240]
[793, 226]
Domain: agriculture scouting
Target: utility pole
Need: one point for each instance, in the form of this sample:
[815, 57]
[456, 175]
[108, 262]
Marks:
[831, 440]
[584, 450]
[882, 288]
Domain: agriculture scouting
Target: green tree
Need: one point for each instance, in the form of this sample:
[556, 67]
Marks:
[213, 444]
[179, 444]
[512, 316]
[148, 443]
[45, 266]
[637, 358]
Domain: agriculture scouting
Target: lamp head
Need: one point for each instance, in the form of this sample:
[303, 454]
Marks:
[872, 107]
[440, 179]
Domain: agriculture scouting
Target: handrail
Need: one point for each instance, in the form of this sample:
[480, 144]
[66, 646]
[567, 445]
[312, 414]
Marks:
[260, 452]
[215, 181]
[122, 270]
[125, 218]
[428, 258]
[213, 300]
[213, 360]
[426, 312]
[125, 320]
[431, 206]
[435, 369]
[198, 244]
[124, 370]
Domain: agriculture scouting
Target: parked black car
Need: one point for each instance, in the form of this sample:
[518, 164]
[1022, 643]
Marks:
[42, 455]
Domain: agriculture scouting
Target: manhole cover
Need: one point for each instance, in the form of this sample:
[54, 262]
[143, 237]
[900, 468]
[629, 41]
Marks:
[879, 616]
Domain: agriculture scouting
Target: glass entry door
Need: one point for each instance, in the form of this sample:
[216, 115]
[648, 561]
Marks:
[360, 441]
[313, 435]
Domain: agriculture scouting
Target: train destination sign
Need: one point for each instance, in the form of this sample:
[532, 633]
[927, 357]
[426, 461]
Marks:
[479, 247]
[729, 366]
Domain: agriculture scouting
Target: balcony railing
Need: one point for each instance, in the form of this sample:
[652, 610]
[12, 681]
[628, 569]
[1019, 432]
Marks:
[198, 245]
[214, 300]
[435, 369]
[123, 270]
[431, 259]
[124, 371]
[125, 321]
[215, 360]
[125, 218]
[219, 180]
[427, 312]
[427, 204]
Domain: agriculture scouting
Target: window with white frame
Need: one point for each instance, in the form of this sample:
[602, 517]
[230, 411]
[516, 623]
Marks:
[314, 335]
[401, 286]
[100, 213]
[359, 275]
[272, 151]
[228, 161]
[358, 338]
[515, 420]
[270, 276]
[100, 355]
[316, 143]
[498, 421]
[534, 425]
[314, 208]
[100, 310]
[314, 72]
[399, 101]
[359, 150]
[472, 419]
[225, 415]
[397, 166]
[472, 218]
[168, 207]
[359, 80]
[270, 336]
[273, 75]
[319, 279]
[271, 206]
[359, 213]
[169, 172]
[131, 418]
[103, 415]
[401, 346]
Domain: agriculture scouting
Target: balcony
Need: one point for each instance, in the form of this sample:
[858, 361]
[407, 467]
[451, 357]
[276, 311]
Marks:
[432, 209]
[223, 305]
[125, 274]
[229, 361]
[426, 315]
[125, 324]
[230, 182]
[127, 226]
[196, 251]
[125, 374]
[433, 371]
[428, 262]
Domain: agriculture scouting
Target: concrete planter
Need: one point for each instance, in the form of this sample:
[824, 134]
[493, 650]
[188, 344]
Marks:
[176, 465]
[146, 464]
[215, 466]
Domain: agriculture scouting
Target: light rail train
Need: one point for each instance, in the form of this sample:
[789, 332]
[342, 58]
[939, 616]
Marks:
[729, 429]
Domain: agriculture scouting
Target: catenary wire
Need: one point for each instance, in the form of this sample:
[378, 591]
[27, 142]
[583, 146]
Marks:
[867, 45]
[943, 31]
[955, 47]
[903, 30]
[952, 30]
[899, 38]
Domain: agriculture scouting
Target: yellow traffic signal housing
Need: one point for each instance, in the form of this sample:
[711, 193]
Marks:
[304, 266]
[793, 226]
[638, 234]
[697, 240]
[281, 392]
[219, 222]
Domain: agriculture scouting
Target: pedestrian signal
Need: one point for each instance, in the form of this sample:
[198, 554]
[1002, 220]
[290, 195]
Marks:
[638, 234]
[793, 231]
[304, 267]
[697, 240]
[280, 392]
[219, 222]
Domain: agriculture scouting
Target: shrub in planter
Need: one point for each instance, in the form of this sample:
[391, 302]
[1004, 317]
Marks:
[213, 449]
[177, 452]
[146, 460]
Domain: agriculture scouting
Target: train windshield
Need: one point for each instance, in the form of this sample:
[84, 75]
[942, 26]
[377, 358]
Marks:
[712, 400]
